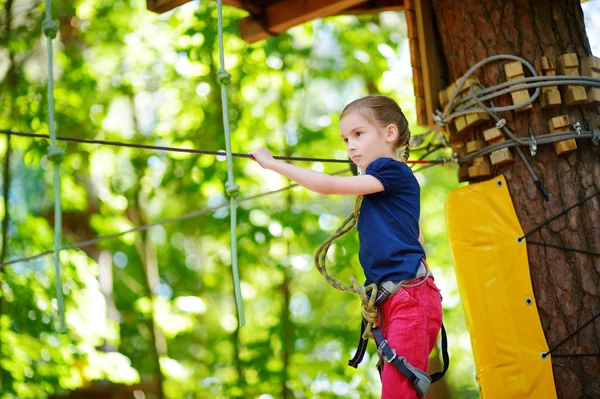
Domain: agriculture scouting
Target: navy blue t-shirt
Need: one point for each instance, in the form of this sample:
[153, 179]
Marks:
[388, 225]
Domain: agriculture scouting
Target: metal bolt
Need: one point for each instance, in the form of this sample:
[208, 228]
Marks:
[529, 301]
[577, 127]
[532, 145]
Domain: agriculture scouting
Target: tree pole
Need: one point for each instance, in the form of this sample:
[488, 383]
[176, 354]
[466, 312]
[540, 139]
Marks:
[566, 284]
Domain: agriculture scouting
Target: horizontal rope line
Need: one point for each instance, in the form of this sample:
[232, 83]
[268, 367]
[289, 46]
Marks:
[583, 251]
[189, 215]
[573, 333]
[467, 109]
[564, 211]
[431, 165]
[549, 138]
[184, 150]
[525, 83]
[577, 354]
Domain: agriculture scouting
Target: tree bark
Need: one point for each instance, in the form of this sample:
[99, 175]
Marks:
[565, 283]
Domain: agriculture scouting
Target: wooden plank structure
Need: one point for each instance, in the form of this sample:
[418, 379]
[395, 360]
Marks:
[590, 66]
[272, 17]
[568, 64]
[514, 71]
[561, 124]
[501, 156]
[550, 96]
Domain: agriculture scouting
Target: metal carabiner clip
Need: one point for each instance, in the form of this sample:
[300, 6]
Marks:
[532, 145]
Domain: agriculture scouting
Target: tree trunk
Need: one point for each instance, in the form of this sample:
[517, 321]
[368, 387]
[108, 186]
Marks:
[105, 278]
[150, 282]
[565, 283]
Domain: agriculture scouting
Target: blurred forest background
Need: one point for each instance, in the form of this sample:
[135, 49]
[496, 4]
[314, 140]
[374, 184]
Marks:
[154, 311]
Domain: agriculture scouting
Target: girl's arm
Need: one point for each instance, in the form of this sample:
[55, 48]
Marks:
[318, 182]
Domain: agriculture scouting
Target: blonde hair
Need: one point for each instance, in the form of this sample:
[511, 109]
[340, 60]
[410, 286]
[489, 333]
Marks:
[382, 111]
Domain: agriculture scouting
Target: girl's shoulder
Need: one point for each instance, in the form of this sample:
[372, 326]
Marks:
[388, 163]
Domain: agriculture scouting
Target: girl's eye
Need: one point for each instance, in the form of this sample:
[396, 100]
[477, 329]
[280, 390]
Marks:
[358, 134]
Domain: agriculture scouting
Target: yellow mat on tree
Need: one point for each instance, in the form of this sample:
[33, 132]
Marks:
[492, 270]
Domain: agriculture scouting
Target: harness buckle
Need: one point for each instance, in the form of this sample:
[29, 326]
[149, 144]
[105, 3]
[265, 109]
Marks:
[393, 357]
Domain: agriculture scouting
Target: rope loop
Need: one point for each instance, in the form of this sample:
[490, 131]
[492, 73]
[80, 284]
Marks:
[55, 154]
[223, 77]
[367, 294]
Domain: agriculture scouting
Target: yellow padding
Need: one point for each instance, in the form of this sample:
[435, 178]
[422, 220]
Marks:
[493, 278]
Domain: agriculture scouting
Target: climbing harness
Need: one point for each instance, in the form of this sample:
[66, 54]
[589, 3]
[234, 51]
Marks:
[372, 296]
[419, 378]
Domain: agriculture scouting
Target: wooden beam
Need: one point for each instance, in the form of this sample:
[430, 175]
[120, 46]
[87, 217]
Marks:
[432, 61]
[161, 6]
[289, 13]
[285, 14]
[377, 7]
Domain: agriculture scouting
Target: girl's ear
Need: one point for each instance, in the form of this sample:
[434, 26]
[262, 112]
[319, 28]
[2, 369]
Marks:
[391, 133]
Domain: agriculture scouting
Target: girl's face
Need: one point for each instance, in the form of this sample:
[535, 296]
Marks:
[365, 142]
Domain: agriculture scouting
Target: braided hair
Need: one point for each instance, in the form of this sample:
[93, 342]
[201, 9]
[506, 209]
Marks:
[407, 146]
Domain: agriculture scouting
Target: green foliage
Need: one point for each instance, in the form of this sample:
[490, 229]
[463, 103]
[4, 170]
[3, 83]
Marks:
[125, 74]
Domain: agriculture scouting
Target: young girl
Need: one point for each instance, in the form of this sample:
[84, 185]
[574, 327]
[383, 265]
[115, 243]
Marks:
[373, 128]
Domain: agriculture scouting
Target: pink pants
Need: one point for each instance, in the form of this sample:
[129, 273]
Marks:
[412, 320]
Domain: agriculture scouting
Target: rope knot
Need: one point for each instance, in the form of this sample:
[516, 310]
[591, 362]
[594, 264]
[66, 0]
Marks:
[232, 189]
[55, 154]
[49, 28]
[223, 77]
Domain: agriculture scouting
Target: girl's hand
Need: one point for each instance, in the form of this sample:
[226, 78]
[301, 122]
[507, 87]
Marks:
[263, 156]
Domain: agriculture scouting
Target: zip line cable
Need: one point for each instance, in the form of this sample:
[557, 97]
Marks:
[562, 341]
[584, 251]
[185, 150]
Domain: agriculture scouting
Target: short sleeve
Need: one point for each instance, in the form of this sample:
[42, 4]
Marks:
[388, 171]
